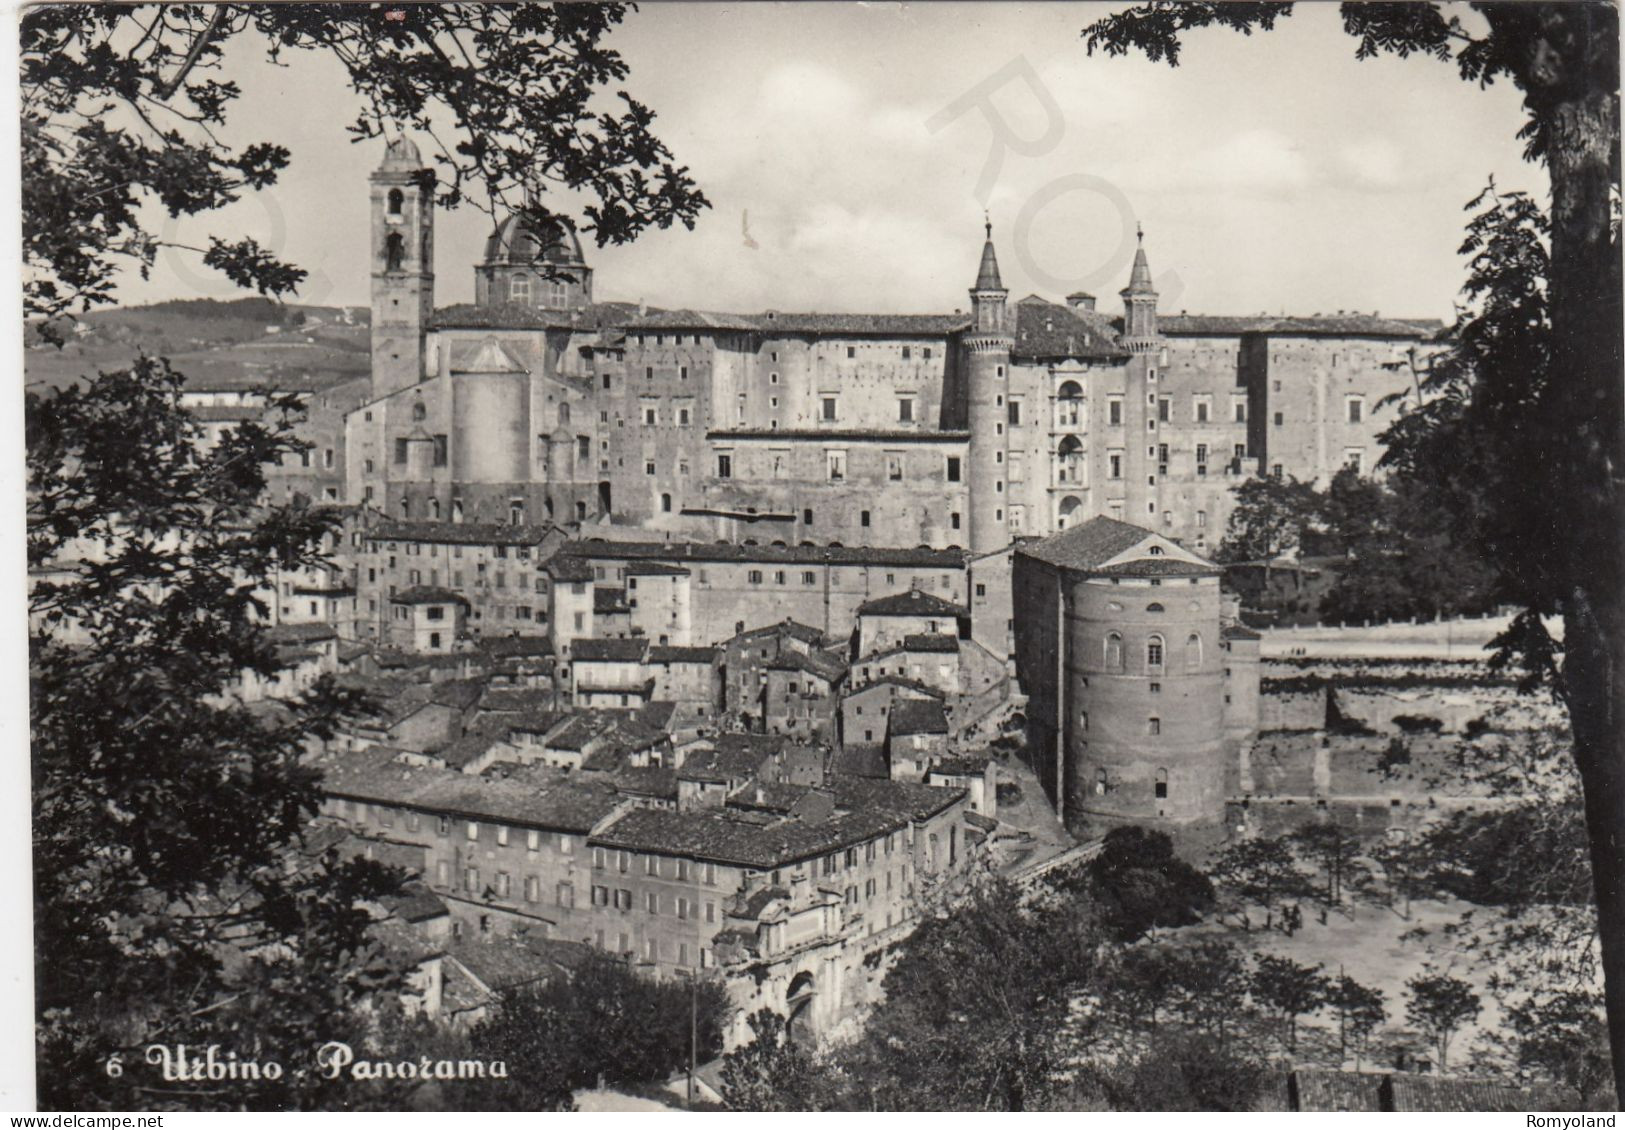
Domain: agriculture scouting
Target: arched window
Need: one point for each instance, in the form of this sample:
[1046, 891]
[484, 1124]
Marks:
[1155, 551]
[1114, 651]
[1153, 607]
[1069, 507]
[1193, 652]
[1069, 405]
[1100, 782]
[394, 251]
[396, 199]
[519, 289]
[1069, 458]
[564, 415]
[1154, 652]
[406, 508]
[665, 503]
[581, 511]
[1162, 784]
[434, 509]
[419, 412]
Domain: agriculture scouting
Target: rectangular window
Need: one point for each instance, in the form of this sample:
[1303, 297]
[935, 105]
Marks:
[1115, 465]
[400, 451]
[1164, 405]
[1203, 408]
[953, 468]
[1356, 409]
[1240, 409]
[835, 462]
[905, 410]
[1114, 411]
[828, 409]
[725, 466]
[440, 450]
[1015, 413]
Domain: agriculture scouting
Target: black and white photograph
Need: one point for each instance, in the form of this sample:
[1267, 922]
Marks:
[818, 557]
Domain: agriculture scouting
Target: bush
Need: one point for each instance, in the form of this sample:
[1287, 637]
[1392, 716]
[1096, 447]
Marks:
[1008, 792]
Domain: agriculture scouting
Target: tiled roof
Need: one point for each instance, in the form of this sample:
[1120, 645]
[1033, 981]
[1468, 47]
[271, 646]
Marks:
[514, 316]
[512, 962]
[904, 798]
[855, 759]
[608, 600]
[565, 567]
[1320, 1090]
[510, 647]
[825, 666]
[913, 716]
[1086, 546]
[931, 641]
[1240, 632]
[1434, 1093]
[962, 766]
[428, 594]
[459, 533]
[728, 761]
[1045, 330]
[460, 694]
[516, 700]
[414, 902]
[725, 837]
[1319, 325]
[566, 804]
[661, 653]
[649, 781]
[610, 651]
[911, 603]
[654, 569]
[786, 627]
[489, 356]
[767, 554]
[895, 680]
[656, 715]
[773, 323]
[844, 436]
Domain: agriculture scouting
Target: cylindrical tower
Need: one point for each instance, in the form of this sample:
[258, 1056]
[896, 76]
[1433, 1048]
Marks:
[1144, 729]
[987, 379]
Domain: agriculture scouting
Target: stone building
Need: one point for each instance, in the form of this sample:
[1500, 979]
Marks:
[1120, 648]
[949, 432]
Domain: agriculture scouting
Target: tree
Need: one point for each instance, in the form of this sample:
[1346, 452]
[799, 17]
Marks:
[1289, 990]
[1439, 1005]
[1183, 1071]
[1360, 1012]
[1139, 884]
[122, 105]
[771, 1072]
[1333, 846]
[604, 1022]
[1563, 1035]
[1269, 520]
[1524, 423]
[170, 890]
[978, 1014]
[1262, 871]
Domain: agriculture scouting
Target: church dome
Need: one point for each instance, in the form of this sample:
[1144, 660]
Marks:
[515, 242]
[402, 154]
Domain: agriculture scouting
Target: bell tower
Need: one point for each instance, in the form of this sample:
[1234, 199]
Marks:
[402, 253]
[1143, 340]
[987, 370]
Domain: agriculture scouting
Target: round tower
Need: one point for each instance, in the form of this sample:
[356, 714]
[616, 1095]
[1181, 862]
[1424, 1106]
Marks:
[987, 378]
[1139, 438]
[402, 266]
[1144, 658]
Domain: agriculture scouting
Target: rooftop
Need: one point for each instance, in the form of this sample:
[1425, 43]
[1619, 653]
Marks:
[428, 594]
[768, 554]
[911, 603]
[610, 651]
[917, 716]
[1095, 545]
[460, 533]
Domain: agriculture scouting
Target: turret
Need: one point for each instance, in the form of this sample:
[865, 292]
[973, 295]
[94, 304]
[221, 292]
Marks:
[402, 266]
[987, 369]
[1139, 302]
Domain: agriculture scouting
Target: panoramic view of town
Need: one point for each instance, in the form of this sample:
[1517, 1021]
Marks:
[554, 585]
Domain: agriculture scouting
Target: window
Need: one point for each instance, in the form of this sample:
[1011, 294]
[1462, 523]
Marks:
[473, 830]
[835, 463]
[1356, 409]
[905, 410]
[1114, 651]
[806, 517]
[1201, 519]
[1153, 725]
[1354, 460]
[953, 519]
[1204, 408]
[649, 467]
[665, 502]
[1193, 652]
[863, 518]
[953, 468]
[1277, 470]
[400, 451]
[1153, 652]
[1114, 411]
[565, 895]
[1015, 413]
[1239, 407]
[851, 352]
[725, 465]
[649, 417]
[1164, 405]
[1279, 419]
[827, 409]
[396, 199]
[894, 466]
[1115, 465]
[1162, 783]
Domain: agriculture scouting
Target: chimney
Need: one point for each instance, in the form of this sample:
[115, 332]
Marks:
[1081, 300]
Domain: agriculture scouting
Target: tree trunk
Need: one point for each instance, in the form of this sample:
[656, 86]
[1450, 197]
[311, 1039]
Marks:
[1572, 86]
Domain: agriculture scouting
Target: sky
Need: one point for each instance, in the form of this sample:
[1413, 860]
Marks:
[845, 149]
